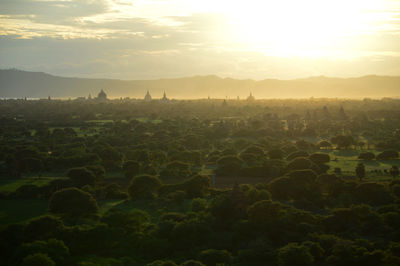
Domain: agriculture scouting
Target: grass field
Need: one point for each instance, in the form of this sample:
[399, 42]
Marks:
[10, 185]
[347, 160]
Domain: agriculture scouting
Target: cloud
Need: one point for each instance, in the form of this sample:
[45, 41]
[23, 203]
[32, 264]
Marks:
[53, 12]
[106, 38]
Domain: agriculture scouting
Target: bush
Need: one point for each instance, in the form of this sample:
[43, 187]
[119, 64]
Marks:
[73, 201]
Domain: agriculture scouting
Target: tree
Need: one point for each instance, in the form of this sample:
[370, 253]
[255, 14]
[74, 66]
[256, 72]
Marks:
[162, 263]
[73, 201]
[213, 257]
[296, 154]
[319, 158]
[360, 171]
[192, 263]
[144, 187]
[324, 144]
[54, 248]
[394, 171]
[301, 163]
[275, 154]
[366, 156]
[81, 176]
[343, 141]
[38, 259]
[387, 155]
[295, 185]
[131, 168]
[373, 194]
[43, 227]
[263, 211]
[295, 254]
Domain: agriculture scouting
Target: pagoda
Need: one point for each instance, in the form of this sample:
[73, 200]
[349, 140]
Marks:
[147, 97]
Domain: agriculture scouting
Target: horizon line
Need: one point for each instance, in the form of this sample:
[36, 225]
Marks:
[204, 75]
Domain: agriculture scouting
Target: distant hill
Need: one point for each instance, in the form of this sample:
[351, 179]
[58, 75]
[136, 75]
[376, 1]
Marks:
[18, 84]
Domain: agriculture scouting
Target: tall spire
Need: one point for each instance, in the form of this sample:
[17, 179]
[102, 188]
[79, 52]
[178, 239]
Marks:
[251, 97]
[164, 98]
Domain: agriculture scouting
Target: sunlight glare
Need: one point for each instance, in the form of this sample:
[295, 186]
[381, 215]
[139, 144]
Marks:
[311, 28]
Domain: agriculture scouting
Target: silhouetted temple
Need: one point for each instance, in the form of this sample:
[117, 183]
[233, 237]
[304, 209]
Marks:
[251, 97]
[147, 97]
[164, 98]
[102, 95]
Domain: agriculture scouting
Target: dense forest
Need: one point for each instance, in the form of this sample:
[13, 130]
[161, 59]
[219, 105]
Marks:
[200, 182]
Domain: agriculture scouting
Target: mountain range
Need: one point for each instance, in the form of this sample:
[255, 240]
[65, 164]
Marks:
[18, 84]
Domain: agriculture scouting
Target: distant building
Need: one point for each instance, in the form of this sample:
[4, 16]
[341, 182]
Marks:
[147, 97]
[251, 97]
[102, 96]
[80, 99]
[90, 96]
[164, 98]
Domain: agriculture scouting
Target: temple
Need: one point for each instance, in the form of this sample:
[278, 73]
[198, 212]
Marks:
[164, 98]
[251, 97]
[147, 97]
[102, 96]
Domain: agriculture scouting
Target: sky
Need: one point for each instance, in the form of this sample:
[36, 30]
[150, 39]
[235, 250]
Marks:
[151, 39]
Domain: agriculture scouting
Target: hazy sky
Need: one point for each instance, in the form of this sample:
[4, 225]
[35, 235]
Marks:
[147, 39]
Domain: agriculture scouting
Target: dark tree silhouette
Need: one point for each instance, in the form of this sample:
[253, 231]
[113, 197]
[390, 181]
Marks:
[360, 171]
